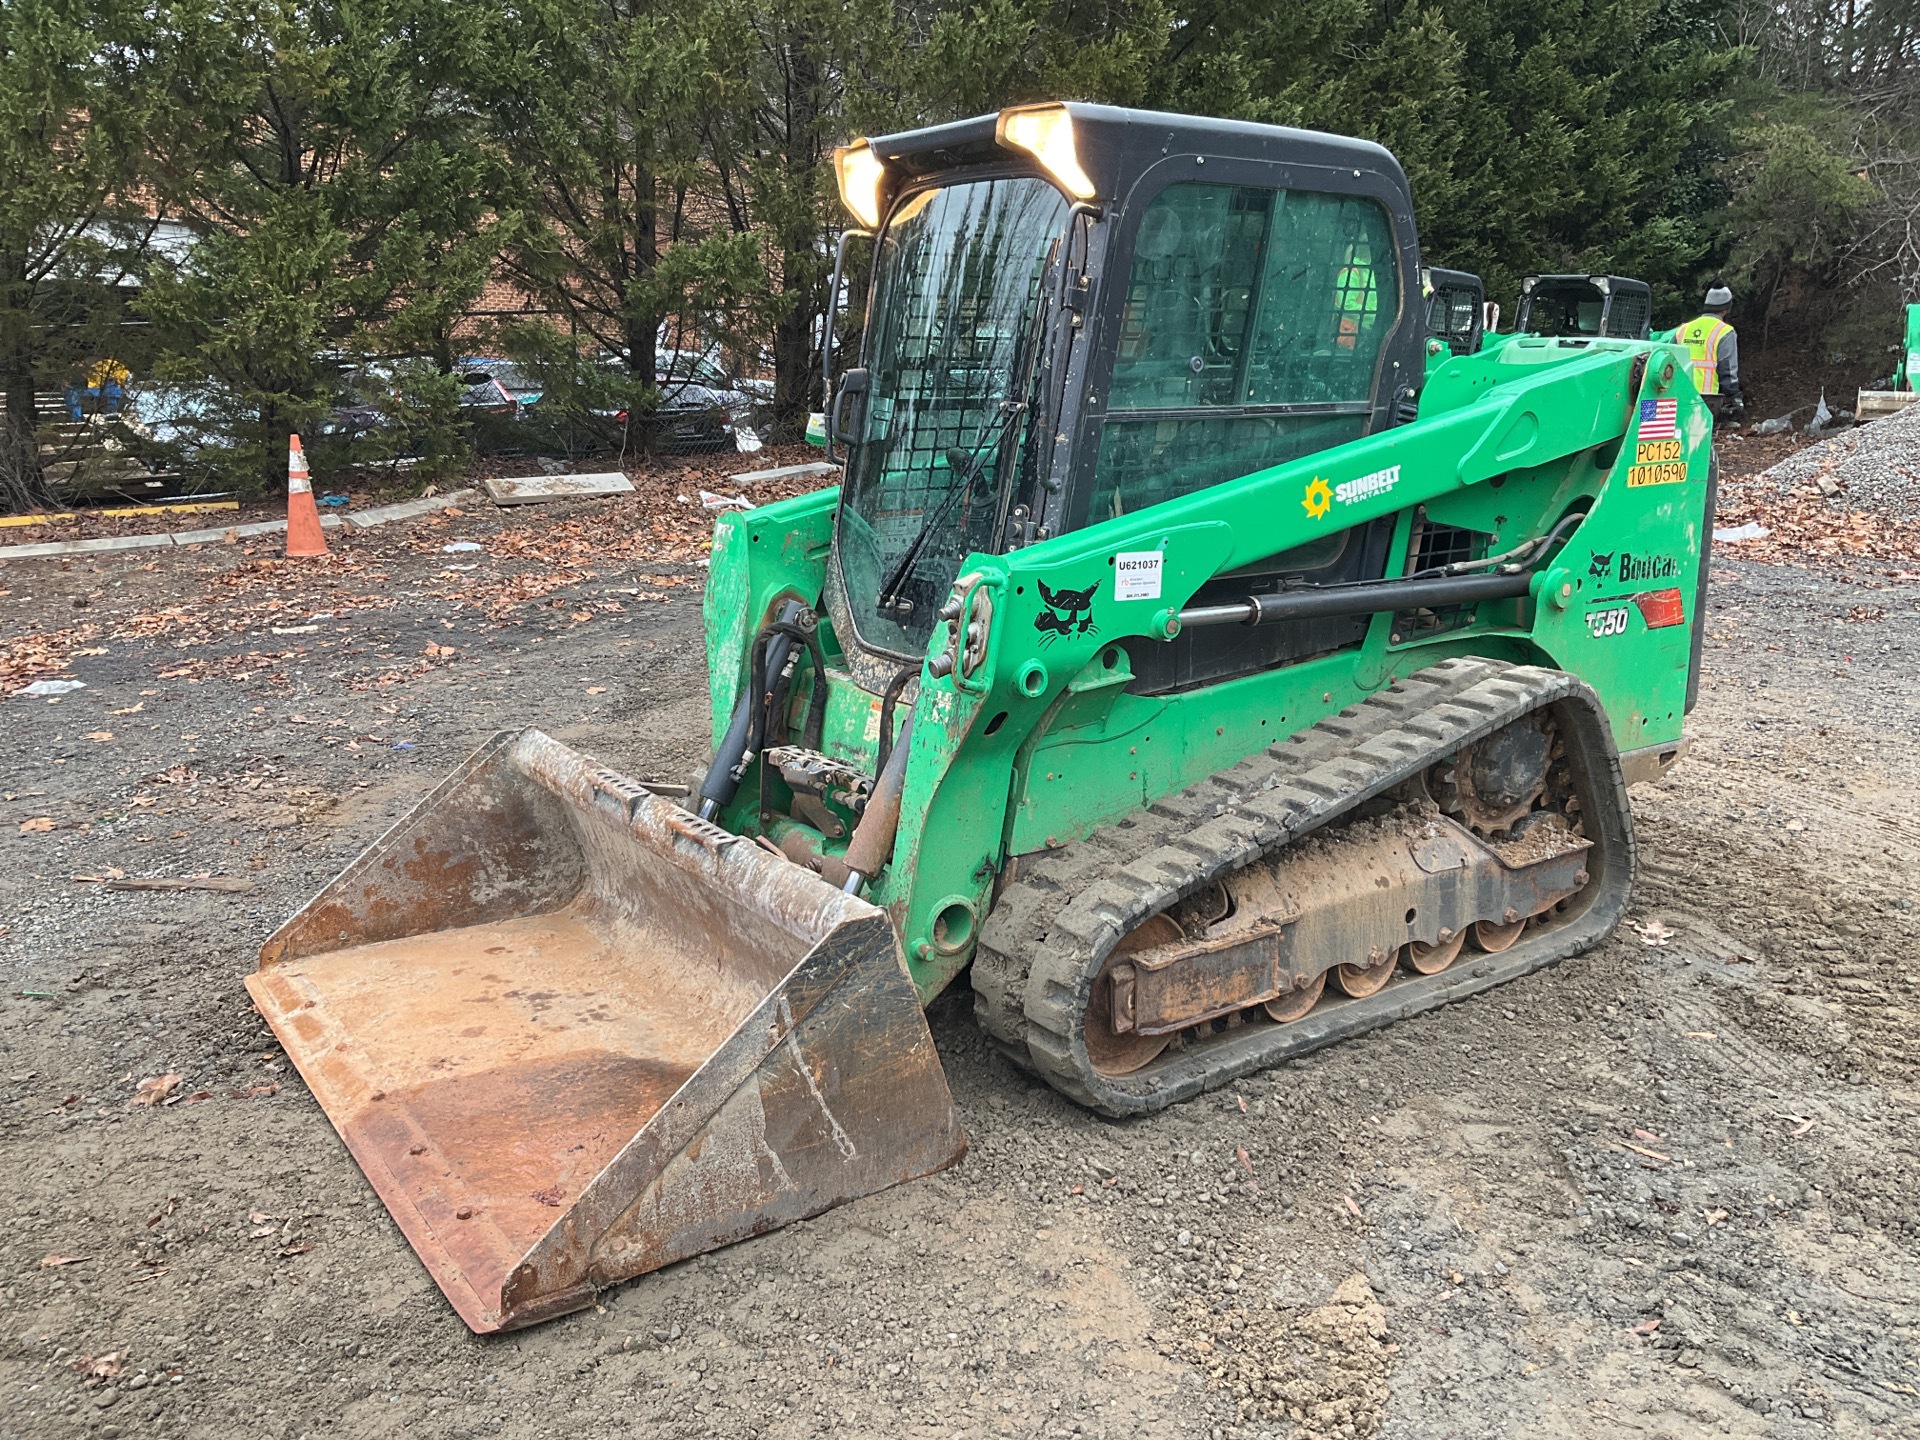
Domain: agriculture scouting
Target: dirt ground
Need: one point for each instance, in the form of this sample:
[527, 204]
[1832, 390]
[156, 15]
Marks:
[1669, 1189]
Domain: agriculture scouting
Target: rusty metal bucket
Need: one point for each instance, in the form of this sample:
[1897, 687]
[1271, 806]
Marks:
[573, 1033]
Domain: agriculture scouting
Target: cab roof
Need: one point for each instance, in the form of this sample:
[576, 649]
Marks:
[1116, 144]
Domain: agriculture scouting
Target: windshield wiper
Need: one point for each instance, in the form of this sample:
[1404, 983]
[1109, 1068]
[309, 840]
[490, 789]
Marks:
[890, 602]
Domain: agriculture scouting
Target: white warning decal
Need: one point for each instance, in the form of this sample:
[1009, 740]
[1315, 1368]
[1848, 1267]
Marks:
[1136, 575]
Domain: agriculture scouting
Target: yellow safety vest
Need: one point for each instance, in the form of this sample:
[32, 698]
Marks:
[1702, 339]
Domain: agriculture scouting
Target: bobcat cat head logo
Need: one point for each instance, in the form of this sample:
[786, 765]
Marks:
[1075, 615]
[1600, 564]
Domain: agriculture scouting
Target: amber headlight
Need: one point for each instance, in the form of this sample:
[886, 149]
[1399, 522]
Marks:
[1046, 133]
[861, 175]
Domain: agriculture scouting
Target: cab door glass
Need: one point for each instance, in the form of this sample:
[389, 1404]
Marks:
[1272, 304]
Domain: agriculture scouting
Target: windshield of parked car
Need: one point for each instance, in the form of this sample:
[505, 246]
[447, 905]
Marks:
[957, 273]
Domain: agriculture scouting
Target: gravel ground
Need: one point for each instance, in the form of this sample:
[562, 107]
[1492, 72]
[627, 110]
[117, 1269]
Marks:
[1873, 467]
[1668, 1189]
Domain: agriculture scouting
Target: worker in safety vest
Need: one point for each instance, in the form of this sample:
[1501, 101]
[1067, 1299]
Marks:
[1713, 350]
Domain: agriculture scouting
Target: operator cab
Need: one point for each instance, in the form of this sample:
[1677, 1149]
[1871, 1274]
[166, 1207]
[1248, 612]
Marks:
[1585, 307]
[1456, 308]
[1077, 312]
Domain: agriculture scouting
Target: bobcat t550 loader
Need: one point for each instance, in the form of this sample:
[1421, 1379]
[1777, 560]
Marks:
[1151, 672]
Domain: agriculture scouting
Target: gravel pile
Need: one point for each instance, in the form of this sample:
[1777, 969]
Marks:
[1875, 467]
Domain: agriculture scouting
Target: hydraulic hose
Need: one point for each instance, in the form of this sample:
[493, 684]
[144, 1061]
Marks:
[717, 791]
[765, 693]
[889, 698]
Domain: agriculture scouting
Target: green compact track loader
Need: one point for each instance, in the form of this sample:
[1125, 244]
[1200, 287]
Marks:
[1576, 305]
[1158, 669]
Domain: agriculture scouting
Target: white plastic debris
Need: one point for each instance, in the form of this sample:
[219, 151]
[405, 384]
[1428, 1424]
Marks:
[715, 501]
[461, 547]
[1736, 534]
[1778, 425]
[745, 440]
[1822, 416]
[52, 687]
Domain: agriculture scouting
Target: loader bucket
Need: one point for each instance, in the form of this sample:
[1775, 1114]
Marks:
[573, 1033]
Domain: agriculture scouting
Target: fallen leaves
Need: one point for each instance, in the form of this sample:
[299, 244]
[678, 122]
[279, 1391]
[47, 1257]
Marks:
[55, 1262]
[99, 737]
[39, 825]
[98, 1369]
[255, 1092]
[155, 1089]
[26, 658]
[1353, 1207]
[1803, 526]
[1652, 933]
[1648, 1154]
[133, 709]
[436, 651]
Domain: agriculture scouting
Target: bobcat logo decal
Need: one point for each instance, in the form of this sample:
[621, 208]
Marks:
[1600, 564]
[1075, 615]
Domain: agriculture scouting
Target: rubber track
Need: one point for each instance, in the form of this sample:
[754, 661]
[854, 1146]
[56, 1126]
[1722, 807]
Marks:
[1054, 924]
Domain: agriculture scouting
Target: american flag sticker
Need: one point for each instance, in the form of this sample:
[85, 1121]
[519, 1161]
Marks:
[1659, 419]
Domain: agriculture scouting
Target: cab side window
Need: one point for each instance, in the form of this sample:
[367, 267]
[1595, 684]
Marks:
[1252, 331]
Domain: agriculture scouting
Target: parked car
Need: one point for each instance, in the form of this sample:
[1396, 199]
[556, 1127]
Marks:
[745, 398]
[519, 383]
[692, 417]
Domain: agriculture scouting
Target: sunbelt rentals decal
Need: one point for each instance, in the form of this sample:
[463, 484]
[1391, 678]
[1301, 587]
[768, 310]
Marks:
[1322, 495]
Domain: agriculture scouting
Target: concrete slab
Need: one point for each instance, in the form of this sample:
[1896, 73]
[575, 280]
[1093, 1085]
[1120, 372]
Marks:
[245, 532]
[203, 537]
[86, 547]
[536, 489]
[406, 509]
[365, 520]
[785, 472]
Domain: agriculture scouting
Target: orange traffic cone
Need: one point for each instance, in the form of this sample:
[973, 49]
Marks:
[303, 516]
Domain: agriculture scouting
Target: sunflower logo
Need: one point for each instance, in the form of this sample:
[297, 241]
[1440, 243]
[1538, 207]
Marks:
[1319, 498]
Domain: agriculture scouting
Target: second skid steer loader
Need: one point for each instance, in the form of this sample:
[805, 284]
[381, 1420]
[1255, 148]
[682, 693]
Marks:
[1153, 670]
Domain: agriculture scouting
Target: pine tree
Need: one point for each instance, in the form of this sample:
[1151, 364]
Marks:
[337, 190]
[76, 94]
[596, 109]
